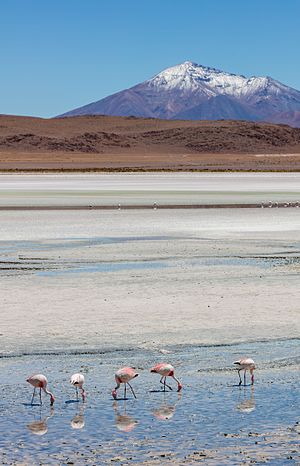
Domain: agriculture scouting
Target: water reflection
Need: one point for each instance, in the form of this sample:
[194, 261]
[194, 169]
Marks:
[124, 423]
[166, 410]
[78, 421]
[40, 427]
[246, 403]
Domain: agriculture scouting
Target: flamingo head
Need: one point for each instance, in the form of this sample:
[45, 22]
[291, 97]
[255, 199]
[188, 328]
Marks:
[179, 388]
[114, 394]
[83, 394]
[52, 399]
[252, 376]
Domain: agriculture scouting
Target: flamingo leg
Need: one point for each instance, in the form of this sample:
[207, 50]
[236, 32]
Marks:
[240, 383]
[245, 377]
[41, 397]
[131, 390]
[76, 393]
[33, 395]
[164, 383]
[125, 390]
[161, 380]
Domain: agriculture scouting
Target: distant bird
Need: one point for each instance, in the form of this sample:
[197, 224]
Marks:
[124, 376]
[77, 380]
[245, 364]
[166, 370]
[40, 381]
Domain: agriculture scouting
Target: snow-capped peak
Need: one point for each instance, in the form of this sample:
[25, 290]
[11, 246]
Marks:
[190, 76]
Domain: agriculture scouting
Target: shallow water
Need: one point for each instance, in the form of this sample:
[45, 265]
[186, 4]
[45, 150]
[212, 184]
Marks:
[212, 416]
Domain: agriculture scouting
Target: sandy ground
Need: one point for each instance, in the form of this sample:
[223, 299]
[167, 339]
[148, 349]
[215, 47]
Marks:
[144, 160]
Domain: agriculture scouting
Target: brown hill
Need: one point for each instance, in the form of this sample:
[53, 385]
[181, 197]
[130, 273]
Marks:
[103, 142]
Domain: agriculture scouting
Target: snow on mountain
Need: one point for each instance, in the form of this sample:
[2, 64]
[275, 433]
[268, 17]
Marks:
[191, 91]
[192, 77]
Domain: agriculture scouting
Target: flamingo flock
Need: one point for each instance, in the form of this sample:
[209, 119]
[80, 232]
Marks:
[125, 375]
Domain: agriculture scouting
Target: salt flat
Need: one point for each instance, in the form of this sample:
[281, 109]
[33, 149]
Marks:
[148, 188]
[147, 278]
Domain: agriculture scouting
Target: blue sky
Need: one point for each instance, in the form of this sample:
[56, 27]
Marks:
[60, 54]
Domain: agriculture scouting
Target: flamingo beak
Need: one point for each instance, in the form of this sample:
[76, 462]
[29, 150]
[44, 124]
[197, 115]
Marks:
[114, 394]
[179, 387]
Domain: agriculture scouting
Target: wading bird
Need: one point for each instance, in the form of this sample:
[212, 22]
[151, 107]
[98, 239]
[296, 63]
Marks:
[124, 376]
[77, 380]
[40, 381]
[245, 364]
[166, 370]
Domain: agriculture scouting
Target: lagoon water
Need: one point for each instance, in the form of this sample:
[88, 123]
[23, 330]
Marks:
[95, 290]
[213, 419]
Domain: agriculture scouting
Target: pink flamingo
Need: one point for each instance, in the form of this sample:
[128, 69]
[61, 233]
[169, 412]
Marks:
[77, 380]
[124, 376]
[245, 364]
[40, 381]
[166, 370]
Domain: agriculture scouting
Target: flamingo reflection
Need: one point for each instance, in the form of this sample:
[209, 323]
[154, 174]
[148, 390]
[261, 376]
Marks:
[78, 421]
[246, 404]
[40, 426]
[166, 410]
[124, 423]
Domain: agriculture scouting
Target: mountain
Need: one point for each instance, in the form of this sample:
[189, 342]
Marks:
[196, 92]
[290, 118]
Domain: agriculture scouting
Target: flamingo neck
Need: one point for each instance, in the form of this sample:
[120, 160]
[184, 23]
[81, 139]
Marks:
[52, 399]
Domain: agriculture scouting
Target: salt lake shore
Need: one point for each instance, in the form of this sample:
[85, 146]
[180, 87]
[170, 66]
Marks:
[92, 290]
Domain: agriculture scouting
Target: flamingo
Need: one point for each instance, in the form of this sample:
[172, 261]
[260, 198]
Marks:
[166, 370]
[124, 376]
[40, 381]
[245, 364]
[77, 380]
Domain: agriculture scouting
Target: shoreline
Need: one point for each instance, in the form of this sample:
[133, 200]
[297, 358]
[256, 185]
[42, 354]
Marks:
[143, 348]
[153, 206]
[143, 170]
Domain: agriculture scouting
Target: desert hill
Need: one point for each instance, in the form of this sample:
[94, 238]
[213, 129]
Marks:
[106, 142]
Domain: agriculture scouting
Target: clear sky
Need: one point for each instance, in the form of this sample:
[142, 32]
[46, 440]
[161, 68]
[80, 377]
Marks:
[60, 54]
